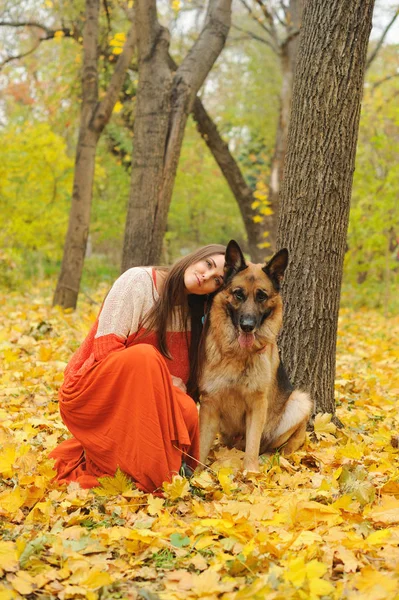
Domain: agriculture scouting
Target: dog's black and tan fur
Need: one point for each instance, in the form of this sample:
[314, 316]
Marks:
[245, 393]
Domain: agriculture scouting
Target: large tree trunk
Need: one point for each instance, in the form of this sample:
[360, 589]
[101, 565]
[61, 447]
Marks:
[150, 134]
[68, 284]
[288, 56]
[164, 100]
[316, 191]
[94, 117]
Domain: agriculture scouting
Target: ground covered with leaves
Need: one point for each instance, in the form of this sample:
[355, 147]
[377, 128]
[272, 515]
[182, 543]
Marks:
[322, 524]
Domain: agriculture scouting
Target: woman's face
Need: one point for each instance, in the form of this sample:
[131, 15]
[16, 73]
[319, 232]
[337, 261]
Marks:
[204, 276]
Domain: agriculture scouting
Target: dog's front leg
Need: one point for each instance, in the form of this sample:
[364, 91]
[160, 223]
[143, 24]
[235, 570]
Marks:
[255, 421]
[209, 426]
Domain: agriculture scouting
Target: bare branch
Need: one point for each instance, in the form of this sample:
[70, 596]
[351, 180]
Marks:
[105, 3]
[50, 34]
[286, 9]
[283, 22]
[383, 80]
[24, 24]
[19, 56]
[266, 13]
[382, 38]
[200, 59]
[255, 18]
[258, 38]
[271, 20]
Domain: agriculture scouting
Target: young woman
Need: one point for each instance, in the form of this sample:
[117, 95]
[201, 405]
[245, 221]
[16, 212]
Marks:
[128, 391]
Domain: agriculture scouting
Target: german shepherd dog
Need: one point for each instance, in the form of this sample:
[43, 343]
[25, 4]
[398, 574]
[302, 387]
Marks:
[245, 392]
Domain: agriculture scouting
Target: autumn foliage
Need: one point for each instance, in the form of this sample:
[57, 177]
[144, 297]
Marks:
[322, 524]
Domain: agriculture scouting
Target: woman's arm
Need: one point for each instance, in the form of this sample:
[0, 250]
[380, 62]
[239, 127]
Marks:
[129, 299]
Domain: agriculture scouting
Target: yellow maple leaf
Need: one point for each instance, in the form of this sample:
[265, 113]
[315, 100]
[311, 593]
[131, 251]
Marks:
[296, 572]
[266, 211]
[113, 486]
[118, 107]
[7, 459]
[155, 505]
[97, 579]
[225, 477]
[45, 353]
[320, 587]
[8, 557]
[203, 480]
[351, 450]
[387, 513]
[323, 428]
[260, 195]
[378, 538]
[22, 582]
[204, 542]
[8, 594]
[375, 584]
[11, 502]
[206, 584]
[199, 509]
[178, 488]
[309, 514]
[306, 538]
[315, 568]
[348, 558]
[40, 513]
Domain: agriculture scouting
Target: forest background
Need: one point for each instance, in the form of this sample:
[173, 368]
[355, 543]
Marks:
[323, 523]
[39, 120]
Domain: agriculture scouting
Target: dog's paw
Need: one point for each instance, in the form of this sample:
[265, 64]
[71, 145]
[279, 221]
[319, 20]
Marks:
[250, 467]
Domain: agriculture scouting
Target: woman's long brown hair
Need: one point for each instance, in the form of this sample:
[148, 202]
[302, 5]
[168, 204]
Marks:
[192, 308]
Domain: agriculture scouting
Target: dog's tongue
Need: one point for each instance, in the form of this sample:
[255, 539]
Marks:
[246, 339]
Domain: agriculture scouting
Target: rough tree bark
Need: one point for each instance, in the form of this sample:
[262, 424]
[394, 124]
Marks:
[316, 191]
[94, 117]
[164, 101]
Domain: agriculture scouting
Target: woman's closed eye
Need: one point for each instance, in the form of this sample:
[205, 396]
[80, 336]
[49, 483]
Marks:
[212, 266]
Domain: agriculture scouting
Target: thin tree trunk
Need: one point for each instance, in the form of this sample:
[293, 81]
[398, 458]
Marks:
[163, 104]
[232, 173]
[316, 191]
[68, 284]
[94, 117]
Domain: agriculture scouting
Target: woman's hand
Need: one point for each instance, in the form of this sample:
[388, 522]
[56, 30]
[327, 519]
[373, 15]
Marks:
[179, 383]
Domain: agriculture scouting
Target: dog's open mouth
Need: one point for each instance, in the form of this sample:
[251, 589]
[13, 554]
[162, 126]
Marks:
[246, 340]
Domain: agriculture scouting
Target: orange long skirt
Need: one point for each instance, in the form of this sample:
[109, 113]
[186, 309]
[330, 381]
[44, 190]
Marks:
[125, 412]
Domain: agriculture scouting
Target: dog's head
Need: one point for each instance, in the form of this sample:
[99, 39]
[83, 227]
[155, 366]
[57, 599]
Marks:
[251, 296]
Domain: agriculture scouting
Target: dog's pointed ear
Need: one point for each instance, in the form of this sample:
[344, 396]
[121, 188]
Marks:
[276, 267]
[234, 260]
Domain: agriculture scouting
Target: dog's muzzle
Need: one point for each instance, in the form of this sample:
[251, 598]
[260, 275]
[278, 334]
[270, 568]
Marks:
[247, 323]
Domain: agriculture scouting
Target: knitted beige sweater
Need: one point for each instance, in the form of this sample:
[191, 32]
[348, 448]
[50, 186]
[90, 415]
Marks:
[118, 324]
